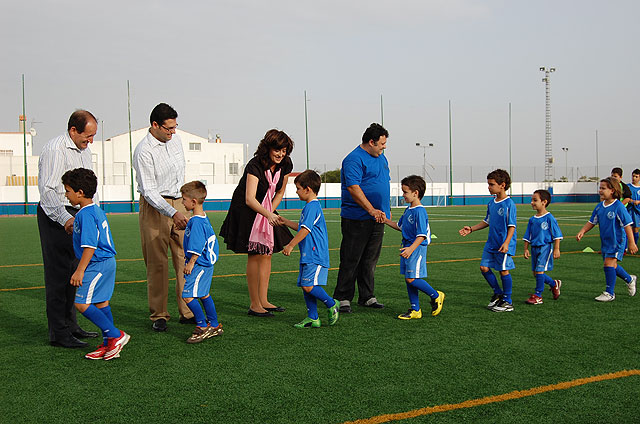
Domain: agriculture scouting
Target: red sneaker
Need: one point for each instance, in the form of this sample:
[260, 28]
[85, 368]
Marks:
[98, 353]
[556, 290]
[534, 300]
[115, 345]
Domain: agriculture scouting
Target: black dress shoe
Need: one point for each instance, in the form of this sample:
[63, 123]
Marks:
[81, 334]
[160, 325]
[184, 320]
[345, 309]
[253, 313]
[276, 309]
[372, 303]
[70, 343]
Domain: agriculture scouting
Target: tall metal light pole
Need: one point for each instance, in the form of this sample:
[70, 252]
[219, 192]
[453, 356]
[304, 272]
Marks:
[424, 147]
[450, 160]
[381, 112]
[24, 136]
[597, 158]
[306, 127]
[566, 167]
[548, 152]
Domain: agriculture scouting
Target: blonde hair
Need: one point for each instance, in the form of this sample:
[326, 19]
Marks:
[194, 190]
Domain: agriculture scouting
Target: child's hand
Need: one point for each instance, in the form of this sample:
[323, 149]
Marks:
[504, 248]
[286, 251]
[405, 252]
[556, 253]
[76, 278]
[188, 268]
[526, 253]
[464, 231]
[580, 235]
[633, 247]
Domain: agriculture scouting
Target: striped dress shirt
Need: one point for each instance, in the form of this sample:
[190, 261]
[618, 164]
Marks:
[59, 156]
[160, 170]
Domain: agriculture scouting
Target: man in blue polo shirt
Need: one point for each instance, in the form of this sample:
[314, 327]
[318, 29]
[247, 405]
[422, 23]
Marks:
[365, 204]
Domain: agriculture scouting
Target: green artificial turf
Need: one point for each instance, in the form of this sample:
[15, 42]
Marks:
[370, 363]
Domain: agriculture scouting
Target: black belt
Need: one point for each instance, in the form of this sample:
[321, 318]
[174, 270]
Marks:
[171, 198]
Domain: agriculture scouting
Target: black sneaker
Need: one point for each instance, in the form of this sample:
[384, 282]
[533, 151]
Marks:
[503, 306]
[495, 299]
[160, 325]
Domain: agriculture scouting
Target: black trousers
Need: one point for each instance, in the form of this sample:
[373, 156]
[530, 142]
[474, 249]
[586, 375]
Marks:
[359, 253]
[59, 264]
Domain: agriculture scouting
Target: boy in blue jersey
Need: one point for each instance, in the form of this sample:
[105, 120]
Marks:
[314, 251]
[95, 275]
[416, 235]
[543, 235]
[200, 253]
[615, 228]
[633, 207]
[501, 243]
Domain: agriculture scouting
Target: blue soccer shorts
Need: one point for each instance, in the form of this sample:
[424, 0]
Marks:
[312, 275]
[614, 253]
[635, 216]
[98, 282]
[198, 283]
[498, 261]
[415, 266]
[542, 258]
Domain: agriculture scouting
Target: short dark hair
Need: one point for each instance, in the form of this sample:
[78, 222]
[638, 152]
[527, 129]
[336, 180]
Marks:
[273, 140]
[636, 172]
[415, 183]
[617, 170]
[81, 179]
[309, 179]
[161, 113]
[194, 190]
[614, 186]
[374, 132]
[79, 120]
[544, 195]
[500, 176]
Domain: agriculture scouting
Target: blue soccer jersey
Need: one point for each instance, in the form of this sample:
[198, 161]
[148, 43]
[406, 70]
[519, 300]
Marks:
[414, 223]
[201, 240]
[542, 230]
[500, 216]
[635, 195]
[612, 219]
[314, 248]
[91, 229]
[371, 173]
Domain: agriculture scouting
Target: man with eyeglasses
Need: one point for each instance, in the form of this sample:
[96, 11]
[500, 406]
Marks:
[160, 165]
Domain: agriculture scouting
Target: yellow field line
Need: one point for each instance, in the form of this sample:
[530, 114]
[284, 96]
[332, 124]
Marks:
[517, 394]
[292, 271]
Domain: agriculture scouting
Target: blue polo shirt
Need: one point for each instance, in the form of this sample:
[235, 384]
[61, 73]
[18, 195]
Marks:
[372, 175]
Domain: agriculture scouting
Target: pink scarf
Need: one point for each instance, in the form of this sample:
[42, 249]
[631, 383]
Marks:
[261, 238]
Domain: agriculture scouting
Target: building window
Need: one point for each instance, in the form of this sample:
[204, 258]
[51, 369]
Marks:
[194, 147]
[233, 168]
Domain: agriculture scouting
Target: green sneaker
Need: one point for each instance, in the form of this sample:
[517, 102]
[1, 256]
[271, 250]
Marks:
[308, 323]
[334, 313]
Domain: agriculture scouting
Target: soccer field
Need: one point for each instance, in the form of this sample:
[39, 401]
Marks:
[466, 365]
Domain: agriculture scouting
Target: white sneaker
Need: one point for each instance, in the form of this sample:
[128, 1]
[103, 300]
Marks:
[631, 286]
[606, 297]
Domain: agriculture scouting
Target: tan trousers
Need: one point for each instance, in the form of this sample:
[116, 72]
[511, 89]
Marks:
[157, 233]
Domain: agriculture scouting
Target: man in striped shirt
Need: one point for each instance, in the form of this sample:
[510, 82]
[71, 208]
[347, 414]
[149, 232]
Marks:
[159, 163]
[55, 224]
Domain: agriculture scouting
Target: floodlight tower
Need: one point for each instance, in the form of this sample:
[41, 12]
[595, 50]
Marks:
[548, 152]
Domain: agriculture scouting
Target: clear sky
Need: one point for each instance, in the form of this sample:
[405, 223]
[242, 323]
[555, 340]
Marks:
[240, 67]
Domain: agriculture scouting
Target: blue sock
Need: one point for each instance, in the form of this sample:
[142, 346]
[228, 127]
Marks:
[413, 297]
[94, 315]
[424, 287]
[493, 281]
[550, 281]
[210, 310]
[195, 307]
[107, 312]
[610, 277]
[635, 237]
[319, 293]
[620, 272]
[312, 306]
[507, 285]
[540, 284]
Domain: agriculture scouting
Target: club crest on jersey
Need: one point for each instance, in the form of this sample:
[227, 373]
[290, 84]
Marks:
[411, 219]
[611, 214]
[501, 211]
[544, 225]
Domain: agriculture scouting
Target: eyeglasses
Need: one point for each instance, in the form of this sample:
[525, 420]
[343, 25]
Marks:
[172, 129]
